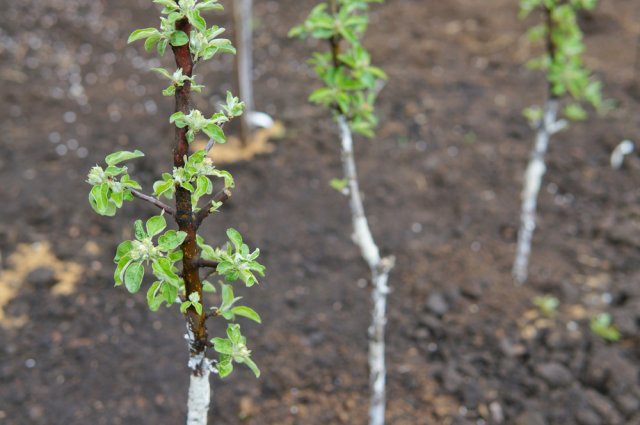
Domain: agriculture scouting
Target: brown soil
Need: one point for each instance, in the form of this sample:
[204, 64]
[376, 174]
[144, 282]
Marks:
[442, 185]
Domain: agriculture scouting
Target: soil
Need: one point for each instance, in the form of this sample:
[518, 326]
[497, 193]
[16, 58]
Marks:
[442, 184]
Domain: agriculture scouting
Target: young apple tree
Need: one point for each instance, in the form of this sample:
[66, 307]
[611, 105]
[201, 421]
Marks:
[179, 259]
[568, 80]
[350, 89]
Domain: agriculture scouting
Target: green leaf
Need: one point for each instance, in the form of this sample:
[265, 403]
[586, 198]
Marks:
[118, 157]
[575, 112]
[185, 306]
[179, 38]
[141, 34]
[153, 300]
[233, 332]
[227, 294]
[133, 277]
[165, 73]
[138, 230]
[222, 346]
[235, 237]
[122, 250]
[99, 200]
[224, 366]
[250, 363]
[197, 20]
[155, 225]
[171, 239]
[246, 312]
[215, 132]
[339, 184]
[162, 46]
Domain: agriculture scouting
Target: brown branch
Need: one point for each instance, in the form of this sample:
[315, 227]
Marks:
[213, 313]
[221, 196]
[551, 45]
[166, 208]
[202, 263]
[184, 209]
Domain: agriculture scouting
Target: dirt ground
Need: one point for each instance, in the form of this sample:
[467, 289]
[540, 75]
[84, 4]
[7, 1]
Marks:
[442, 185]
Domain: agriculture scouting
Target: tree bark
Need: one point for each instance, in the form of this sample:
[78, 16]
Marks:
[380, 269]
[199, 389]
[533, 180]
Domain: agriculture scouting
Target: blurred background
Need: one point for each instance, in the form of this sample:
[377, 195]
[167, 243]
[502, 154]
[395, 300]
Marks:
[442, 183]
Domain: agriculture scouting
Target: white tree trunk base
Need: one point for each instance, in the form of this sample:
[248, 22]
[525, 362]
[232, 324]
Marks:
[380, 269]
[533, 181]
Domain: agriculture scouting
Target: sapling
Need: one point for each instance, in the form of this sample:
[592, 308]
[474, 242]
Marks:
[350, 90]
[179, 259]
[568, 78]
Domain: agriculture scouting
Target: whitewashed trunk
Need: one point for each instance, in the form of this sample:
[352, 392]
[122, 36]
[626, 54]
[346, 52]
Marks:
[380, 269]
[533, 181]
[199, 385]
[242, 12]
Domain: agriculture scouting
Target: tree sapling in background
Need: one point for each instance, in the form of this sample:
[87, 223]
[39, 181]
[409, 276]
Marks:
[350, 89]
[176, 258]
[567, 78]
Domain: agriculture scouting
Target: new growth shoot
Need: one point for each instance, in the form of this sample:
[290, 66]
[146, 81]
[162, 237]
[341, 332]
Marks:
[350, 89]
[570, 86]
[179, 259]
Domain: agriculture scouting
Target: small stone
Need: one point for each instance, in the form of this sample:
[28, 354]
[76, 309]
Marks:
[497, 414]
[554, 374]
[437, 304]
[42, 278]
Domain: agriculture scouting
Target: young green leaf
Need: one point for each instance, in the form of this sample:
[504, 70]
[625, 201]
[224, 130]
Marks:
[246, 312]
[133, 277]
[118, 157]
[155, 225]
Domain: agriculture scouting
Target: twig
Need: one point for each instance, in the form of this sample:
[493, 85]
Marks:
[154, 201]
[211, 141]
[221, 196]
[213, 313]
[202, 263]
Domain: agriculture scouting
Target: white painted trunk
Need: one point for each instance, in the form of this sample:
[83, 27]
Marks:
[199, 385]
[199, 397]
[533, 181]
[242, 12]
[380, 268]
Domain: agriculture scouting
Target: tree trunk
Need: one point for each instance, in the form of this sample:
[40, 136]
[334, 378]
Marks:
[380, 269]
[533, 181]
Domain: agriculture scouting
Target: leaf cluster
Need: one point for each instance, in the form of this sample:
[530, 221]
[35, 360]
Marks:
[350, 80]
[562, 61]
[236, 262]
[194, 177]
[112, 185]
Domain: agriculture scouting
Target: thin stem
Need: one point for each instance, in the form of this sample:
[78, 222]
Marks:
[212, 142]
[222, 196]
[169, 210]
